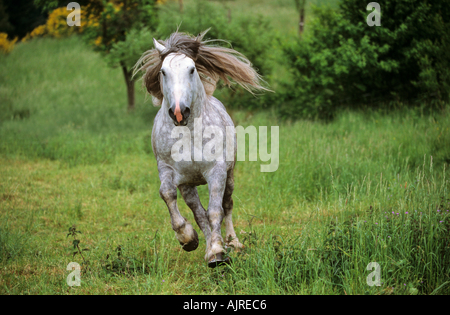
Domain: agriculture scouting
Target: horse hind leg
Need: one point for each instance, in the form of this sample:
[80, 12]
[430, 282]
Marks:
[185, 233]
[227, 204]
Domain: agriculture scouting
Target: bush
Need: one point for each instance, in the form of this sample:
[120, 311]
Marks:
[6, 45]
[56, 25]
[345, 62]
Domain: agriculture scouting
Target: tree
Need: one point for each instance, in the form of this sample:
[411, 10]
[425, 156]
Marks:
[300, 6]
[5, 25]
[121, 32]
[17, 18]
[344, 62]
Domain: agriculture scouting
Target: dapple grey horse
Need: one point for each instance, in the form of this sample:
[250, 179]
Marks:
[181, 75]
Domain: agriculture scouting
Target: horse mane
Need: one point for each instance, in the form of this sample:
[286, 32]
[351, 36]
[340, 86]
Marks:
[213, 62]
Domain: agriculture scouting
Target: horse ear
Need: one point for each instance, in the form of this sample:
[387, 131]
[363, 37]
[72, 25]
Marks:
[200, 36]
[160, 48]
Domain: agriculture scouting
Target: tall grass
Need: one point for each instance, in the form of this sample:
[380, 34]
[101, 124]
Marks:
[74, 104]
[366, 187]
[407, 234]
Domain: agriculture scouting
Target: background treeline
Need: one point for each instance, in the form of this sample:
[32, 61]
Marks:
[17, 18]
[344, 62]
[338, 62]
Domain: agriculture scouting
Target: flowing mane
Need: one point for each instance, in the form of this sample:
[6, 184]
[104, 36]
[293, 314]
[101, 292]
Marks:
[212, 62]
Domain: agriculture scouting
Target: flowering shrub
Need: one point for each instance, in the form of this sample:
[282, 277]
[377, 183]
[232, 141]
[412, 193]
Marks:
[56, 25]
[6, 45]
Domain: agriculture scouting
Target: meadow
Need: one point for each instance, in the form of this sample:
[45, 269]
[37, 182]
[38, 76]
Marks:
[369, 186]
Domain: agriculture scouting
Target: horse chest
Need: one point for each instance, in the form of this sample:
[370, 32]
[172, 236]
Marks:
[184, 172]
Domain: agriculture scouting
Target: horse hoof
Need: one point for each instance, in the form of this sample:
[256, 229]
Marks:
[218, 260]
[192, 245]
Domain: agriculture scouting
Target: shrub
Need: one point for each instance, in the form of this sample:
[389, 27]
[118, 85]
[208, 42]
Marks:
[56, 24]
[345, 62]
[6, 45]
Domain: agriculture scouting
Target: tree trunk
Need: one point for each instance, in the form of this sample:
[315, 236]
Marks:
[130, 86]
[302, 20]
[300, 5]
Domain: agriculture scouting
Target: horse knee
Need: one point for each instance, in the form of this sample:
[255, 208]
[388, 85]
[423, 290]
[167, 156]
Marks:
[215, 215]
[168, 192]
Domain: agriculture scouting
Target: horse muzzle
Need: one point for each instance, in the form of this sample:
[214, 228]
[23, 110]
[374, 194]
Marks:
[179, 114]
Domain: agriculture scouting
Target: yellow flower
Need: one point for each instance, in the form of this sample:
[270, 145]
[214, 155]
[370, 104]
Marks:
[6, 45]
[117, 7]
[38, 31]
[98, 41]
[56, 24]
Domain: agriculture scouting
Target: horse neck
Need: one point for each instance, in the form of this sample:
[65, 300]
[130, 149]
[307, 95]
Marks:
[200, 101]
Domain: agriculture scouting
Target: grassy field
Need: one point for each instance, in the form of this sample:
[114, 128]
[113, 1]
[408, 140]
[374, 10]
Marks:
[367, 187]
[282, 13]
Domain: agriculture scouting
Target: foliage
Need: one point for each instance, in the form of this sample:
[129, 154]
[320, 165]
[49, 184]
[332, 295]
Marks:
[119, 30]
[122, 24]
[344, 62]
[17, 18]
[128, 51]
[76, 247]
[5, 25]
[50, 5]
[56, 24]
[124, 265]
[6, 46]
[116, 19]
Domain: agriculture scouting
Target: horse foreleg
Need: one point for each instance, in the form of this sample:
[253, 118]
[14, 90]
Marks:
[216, 183]
[190, 196]
[186, 234]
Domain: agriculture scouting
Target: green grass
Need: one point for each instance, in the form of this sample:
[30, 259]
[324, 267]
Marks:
[311, 227]
[282, 14]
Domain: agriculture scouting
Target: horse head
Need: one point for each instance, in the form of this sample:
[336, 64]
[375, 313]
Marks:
[180, 85]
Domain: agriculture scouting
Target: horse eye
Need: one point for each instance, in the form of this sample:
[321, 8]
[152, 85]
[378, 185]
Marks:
[192, 70]
[163, 73]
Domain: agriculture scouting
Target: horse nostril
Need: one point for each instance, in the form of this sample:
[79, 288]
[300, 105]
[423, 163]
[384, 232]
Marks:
[180, 118]
[186, 113]
[171, 115]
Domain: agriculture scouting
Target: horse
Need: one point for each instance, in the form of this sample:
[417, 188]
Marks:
[181, 74]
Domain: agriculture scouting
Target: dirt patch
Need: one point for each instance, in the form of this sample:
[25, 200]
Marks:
[6, 197]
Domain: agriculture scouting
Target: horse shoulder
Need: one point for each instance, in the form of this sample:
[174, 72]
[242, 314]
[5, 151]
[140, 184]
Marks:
[219, 111]
[161, 140]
